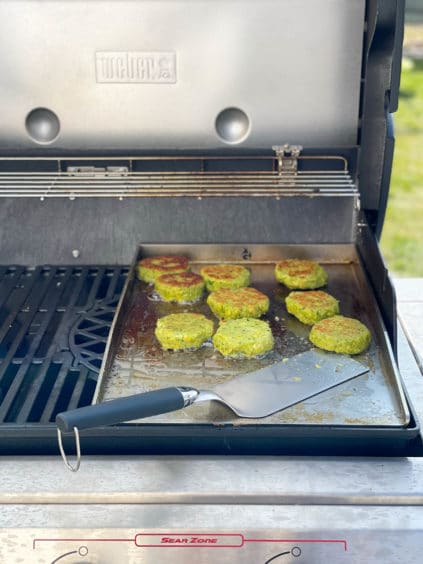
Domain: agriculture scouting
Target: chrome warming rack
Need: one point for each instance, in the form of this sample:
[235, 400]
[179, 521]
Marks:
[281, 174]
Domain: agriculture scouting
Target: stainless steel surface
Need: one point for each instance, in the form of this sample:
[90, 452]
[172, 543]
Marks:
[99, 181]
[254, 536]
[208, 204]
[285, 383]
[210, 480]
[134, 362]
[52, 229]
[157, 74]
[257, 394]
[373, 507]
[42, 126]
[232, 125]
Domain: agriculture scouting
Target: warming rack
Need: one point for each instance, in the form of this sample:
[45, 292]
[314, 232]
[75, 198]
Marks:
[285, 174]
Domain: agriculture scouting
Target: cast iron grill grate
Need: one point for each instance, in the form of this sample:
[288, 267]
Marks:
[54, 323]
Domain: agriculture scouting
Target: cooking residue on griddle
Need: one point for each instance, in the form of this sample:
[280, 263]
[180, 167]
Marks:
[145, 365]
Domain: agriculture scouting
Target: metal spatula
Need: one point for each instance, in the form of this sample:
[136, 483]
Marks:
[253, 395]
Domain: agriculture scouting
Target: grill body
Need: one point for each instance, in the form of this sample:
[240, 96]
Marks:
[164, 122]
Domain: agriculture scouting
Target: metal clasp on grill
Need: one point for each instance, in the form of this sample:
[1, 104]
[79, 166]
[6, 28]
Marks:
[287, 156]
[97, 171]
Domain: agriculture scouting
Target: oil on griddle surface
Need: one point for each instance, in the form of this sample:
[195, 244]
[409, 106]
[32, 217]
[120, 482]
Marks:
[141, 365]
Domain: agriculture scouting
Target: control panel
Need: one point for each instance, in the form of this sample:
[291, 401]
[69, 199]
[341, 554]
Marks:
[163, 547]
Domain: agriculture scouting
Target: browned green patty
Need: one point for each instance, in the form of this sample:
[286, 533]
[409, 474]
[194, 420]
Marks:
[185, 287]
[245, 337]
[235, 304]
[311, 306]
[341, 335]
[180, 331]
[300, 274]
[225, 276]
[151, 268]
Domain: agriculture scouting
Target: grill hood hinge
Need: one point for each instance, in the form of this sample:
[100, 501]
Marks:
[287, 156]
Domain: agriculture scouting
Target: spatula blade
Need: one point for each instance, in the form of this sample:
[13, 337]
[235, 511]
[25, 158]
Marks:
[285, 383]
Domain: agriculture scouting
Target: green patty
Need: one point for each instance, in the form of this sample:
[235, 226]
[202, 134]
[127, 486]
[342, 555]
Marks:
[235, 304]
[225, 276]
[148, 269]
[185, 287]
[298, 274]
[180, 331]
[311, 306]
[243, 338]
[341, 335]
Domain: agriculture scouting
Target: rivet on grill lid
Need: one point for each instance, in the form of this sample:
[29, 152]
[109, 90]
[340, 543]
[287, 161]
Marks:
[232, 125]
[42, 125]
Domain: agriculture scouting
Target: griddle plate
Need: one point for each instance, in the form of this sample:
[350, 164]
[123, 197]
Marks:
[136, 363]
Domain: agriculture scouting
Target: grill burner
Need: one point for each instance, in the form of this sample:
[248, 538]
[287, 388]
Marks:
[54, 323]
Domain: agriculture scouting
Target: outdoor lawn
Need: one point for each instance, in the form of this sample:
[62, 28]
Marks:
[402, 237]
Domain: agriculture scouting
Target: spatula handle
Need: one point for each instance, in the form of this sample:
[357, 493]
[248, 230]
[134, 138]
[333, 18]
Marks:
[126, 409]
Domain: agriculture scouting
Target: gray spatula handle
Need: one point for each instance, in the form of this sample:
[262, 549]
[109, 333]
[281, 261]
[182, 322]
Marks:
[126, 409]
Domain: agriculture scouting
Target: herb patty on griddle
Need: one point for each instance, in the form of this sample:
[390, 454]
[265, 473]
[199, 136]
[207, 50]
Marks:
[180, 331]
[311, 306]
[245, 337]
[151, 268]
[235, 304]
[185, 287]
[225, 276]
[300, 274]
[341, 335]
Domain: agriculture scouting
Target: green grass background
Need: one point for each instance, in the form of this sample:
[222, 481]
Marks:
[402, 236]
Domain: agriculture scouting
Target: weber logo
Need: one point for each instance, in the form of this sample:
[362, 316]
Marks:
[135, 67]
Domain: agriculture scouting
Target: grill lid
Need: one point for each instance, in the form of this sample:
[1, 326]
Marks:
[179, 75]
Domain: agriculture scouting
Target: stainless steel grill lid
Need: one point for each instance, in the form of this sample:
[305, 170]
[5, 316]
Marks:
[189, 75]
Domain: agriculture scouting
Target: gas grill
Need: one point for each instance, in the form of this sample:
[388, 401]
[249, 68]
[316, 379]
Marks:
[230, 131]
